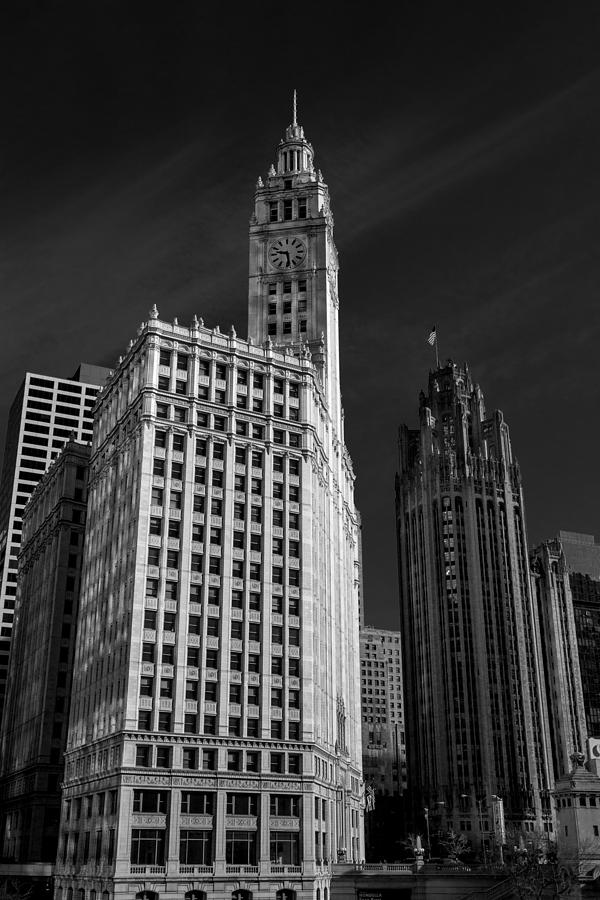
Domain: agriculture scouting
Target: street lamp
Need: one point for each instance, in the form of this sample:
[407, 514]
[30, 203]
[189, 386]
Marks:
[426, 811]
[483, 847]
[498, 816]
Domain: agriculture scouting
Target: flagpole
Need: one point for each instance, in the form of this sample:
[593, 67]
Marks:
[433, 342]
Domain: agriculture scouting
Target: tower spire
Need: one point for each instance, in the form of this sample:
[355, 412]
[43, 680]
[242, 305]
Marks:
[294, 122]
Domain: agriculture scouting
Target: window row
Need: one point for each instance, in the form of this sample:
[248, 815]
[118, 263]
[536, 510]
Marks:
[165, 688]
[214, 629]
[219, 395]
[196, 847]
[194, 659]
[93, 804]
[75, 850]
[255, 459]
[217, 478]
[289, 208]
[199, 503]
[182, 415]
[205, 803]
[206, 759]
[243, 377]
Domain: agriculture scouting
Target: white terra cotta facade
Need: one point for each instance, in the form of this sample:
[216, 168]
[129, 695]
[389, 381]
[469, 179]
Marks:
[215, 736]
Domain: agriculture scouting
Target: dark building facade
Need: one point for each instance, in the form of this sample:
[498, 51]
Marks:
[34, 728]
[586, 605]
[475, 713]
[46, 411]
[582, 556]
[560, 667]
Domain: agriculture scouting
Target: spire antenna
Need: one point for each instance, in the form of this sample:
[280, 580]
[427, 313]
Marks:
[294, 121]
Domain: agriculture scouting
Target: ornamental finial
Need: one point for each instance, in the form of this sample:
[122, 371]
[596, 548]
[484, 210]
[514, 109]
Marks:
[153, 312]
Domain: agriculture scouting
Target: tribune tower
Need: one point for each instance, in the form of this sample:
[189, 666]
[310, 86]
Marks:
[214, 742]
[477, 723]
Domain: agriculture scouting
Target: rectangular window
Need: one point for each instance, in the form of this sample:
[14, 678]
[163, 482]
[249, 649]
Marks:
[193, 657]
[276, 730]
[242, 804]
[273, 211]
[195, 847]
[294, 763]
[146, 686]
[276, 762]
[143, 756]
[164, 723]
[252, 756]
[209, 760]
[190, 757]
[144, 720]
[166, 687]
[287, 209]
[153, 556]
[148, 846]
[284, 805]
[150, 801]
[234, 760]
[277, 697]
[294, 700]
[240, 848]
[285, 847]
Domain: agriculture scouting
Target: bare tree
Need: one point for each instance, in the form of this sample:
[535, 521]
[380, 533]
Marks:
[455, 845]
[15, 888]
[537, 873]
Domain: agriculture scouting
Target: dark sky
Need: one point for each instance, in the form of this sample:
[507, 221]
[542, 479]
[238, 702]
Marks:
[462, 152]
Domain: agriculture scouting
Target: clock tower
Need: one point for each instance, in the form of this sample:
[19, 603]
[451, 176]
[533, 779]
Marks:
[293, 288]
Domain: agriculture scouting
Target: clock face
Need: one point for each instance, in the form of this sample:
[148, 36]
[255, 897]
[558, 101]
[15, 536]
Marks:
[287, 253]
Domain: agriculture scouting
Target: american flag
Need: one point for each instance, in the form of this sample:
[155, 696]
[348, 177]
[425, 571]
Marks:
[432, 337]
